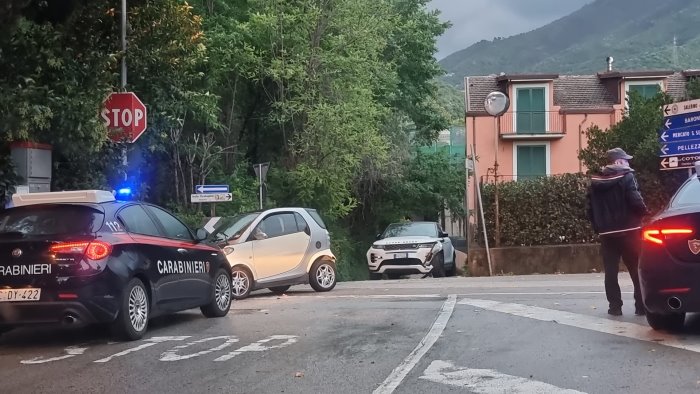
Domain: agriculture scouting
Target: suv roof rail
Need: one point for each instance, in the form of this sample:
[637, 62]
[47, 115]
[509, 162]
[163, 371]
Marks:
[76, 196]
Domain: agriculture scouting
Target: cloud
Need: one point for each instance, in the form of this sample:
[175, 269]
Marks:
[476, 20]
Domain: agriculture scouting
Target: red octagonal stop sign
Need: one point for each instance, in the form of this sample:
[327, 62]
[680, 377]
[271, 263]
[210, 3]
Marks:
[125, 116]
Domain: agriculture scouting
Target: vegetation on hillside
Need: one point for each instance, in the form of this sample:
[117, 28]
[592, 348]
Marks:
[336, 95]
[637, 33]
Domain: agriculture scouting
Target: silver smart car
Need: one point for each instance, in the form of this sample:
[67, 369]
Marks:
[276, 249]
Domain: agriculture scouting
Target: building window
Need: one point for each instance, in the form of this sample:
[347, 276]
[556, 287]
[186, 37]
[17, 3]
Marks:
[531, 110]
[531, 161]
[647, 91]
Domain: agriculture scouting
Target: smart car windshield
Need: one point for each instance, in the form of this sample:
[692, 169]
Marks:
[410, 230]
[229, 228]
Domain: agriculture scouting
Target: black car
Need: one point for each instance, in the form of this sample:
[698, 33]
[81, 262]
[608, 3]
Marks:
[669, 264]
[78, 258]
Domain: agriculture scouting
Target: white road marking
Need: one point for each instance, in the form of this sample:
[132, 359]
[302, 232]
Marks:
[149, 342]
[292, 295]
[593, 323]
[71, 351]
[538, 293]
[487, 381]
[171, 355]
[399, 373]
[260, 346]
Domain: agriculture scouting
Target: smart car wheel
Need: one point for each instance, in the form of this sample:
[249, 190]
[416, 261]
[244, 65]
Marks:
[132, 320]
[670, 322]
[279, 289]
[322, 276]
[241, 282]
[221, 299]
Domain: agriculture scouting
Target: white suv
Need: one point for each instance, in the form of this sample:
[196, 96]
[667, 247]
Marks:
[276, 249]
[411, 248]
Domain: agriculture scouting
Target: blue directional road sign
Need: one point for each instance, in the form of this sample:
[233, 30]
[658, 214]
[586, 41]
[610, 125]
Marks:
[679, 137]
[679, 134]
[209, 189]
[680, 148]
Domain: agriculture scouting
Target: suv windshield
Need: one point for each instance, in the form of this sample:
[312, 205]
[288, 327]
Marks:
[51, 220]
[232, 227]
[411, 230]
[689, 194]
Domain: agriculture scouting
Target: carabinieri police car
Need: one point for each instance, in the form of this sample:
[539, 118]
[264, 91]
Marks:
[82, 257]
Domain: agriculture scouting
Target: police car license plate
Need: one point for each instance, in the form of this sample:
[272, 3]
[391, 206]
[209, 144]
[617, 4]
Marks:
[9, 295]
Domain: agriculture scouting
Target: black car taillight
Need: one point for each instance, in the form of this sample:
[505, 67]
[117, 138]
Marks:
[659, 236]
[93, 250]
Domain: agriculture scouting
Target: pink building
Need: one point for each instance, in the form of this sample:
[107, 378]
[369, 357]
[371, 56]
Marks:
[543, 130]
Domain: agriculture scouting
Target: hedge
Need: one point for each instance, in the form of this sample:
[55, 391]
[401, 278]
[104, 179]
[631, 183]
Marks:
[540, 211]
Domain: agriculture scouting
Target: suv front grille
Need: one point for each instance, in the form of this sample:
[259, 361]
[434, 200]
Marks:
[401, 247]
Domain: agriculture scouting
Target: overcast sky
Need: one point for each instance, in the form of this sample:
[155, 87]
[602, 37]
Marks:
[476, 20]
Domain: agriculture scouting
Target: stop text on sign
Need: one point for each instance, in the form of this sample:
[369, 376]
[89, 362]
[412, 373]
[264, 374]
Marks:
[125, 117]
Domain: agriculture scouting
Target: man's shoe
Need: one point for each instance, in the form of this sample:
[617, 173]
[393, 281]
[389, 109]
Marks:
[615, 311]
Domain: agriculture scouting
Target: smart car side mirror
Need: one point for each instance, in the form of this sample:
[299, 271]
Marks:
[201, 234]
[378, 236]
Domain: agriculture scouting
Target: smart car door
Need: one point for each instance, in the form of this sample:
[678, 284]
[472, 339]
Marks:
[279, 245]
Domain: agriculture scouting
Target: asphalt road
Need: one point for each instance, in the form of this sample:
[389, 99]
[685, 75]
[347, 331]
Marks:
[534, 334]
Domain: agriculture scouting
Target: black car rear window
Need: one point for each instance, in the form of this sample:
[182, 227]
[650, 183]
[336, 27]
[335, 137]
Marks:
[688, 194]
[51, 220]
[317, 218]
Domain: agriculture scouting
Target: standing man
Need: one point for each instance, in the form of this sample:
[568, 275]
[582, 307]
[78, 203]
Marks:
[615, 209]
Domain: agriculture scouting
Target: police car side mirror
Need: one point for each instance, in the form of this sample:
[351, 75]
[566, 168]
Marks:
[201, 234]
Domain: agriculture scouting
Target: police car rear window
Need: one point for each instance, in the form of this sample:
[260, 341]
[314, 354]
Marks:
[689, 194]
[51, 220]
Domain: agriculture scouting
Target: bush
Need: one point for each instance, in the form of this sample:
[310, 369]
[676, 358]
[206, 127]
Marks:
[542, 211]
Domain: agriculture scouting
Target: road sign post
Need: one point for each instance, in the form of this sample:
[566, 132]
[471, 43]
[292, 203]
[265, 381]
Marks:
[679, 136]
[261, 173]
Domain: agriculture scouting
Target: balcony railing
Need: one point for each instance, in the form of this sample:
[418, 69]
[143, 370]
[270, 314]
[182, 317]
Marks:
[529, 124]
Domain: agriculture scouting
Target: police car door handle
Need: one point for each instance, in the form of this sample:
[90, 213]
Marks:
[181, 250]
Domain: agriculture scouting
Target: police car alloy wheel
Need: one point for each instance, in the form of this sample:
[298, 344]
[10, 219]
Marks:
[241, 283]
[322, 276]
[221, 300]
[132, 321]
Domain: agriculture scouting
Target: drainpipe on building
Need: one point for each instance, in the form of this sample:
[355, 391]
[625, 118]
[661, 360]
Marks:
[580, 142]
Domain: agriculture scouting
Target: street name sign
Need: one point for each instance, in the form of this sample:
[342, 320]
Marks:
[212, 197]
[208, 189]
[679, 136]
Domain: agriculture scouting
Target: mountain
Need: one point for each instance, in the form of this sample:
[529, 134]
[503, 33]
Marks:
[639, 34]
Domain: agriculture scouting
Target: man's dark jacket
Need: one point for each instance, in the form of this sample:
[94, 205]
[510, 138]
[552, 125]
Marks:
[615, 204]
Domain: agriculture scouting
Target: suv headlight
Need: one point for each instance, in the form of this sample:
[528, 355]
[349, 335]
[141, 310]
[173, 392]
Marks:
[378, 247]
[426, 245]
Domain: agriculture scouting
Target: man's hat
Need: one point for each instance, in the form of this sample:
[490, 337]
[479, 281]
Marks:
[617, 153]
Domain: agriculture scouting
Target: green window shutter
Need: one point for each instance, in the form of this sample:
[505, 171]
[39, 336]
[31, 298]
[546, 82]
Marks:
[646, 91]
[531, 112]
[532, 161]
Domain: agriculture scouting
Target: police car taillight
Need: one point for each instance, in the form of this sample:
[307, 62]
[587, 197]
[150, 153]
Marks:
[95, 250]
[658, 236]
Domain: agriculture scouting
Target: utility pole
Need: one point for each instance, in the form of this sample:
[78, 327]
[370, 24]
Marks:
[125, 160]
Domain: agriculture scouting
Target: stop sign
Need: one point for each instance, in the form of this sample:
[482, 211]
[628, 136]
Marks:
[125, 116]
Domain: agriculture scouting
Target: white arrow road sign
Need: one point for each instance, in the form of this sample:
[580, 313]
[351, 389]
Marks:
[212, 188]
[668, 124]
[664, 136]
[684, 107]
[664, 149]
[485, 381]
